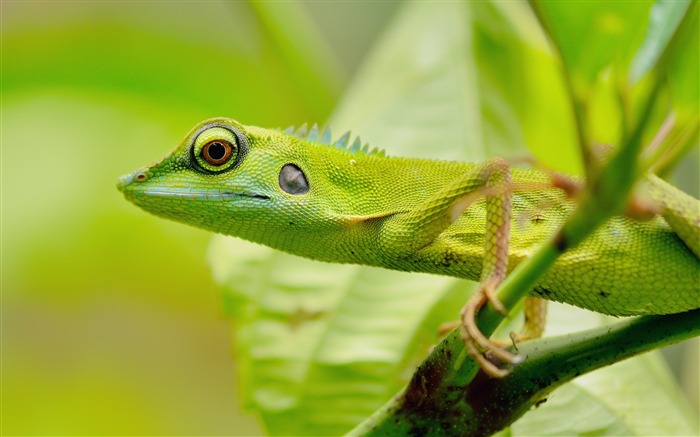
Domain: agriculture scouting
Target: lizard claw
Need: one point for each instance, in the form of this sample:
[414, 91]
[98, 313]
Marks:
[488, 290]
[478, 346]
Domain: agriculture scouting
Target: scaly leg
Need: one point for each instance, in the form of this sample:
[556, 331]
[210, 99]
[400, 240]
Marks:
[535, 317]
[420, 227]
[497, 234]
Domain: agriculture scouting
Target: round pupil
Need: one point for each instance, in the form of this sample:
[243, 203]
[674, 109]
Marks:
[216, 151]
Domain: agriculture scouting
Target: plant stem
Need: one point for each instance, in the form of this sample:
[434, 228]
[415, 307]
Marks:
[435, 402]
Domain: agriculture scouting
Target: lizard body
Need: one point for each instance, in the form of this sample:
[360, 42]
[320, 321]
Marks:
[330, 202]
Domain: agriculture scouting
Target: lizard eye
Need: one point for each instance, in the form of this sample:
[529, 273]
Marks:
[217, 149]
[217, 152]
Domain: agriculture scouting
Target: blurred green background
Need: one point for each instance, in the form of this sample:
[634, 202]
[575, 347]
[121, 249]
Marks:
[110, 316]
[111, 323]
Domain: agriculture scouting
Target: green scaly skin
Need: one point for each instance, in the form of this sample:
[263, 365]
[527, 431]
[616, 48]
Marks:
[362, 207]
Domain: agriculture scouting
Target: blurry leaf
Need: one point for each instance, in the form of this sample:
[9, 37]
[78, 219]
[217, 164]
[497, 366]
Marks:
[319, 344]
[663, 21]
[522, 90]
[684, 68]
[594, 34]
[623, 41]
[307, 57]
[677, 31]
[66, 210]
[518, 108]
[670, 52]
[605, 116]
[418, 91]
[221, 66]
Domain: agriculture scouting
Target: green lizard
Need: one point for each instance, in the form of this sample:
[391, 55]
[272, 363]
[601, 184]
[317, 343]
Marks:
[330, 201]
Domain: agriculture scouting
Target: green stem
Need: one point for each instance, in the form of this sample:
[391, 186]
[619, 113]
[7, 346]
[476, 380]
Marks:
[555, 361]
[436, 403]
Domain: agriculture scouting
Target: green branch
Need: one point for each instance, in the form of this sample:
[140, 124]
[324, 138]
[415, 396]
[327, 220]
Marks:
[440, 402]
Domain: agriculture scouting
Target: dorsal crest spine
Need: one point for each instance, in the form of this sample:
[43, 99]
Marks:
[325, 137]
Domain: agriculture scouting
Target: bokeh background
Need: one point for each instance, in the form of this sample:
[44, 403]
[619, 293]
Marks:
[111, 323]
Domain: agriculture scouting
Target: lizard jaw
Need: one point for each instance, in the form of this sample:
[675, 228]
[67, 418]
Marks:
[130, 186]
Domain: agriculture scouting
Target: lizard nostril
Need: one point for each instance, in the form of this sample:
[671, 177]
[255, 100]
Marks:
[127, 180]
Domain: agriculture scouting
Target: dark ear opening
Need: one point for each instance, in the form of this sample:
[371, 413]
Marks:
[292, 180]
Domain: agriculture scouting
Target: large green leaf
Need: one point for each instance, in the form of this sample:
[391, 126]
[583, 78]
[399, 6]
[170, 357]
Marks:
[593, 34]
[608, 69]
[684, 68]
[324, 345]
[663, 21]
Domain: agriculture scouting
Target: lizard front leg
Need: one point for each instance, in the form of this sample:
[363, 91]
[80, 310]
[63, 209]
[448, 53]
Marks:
[411, 232]
[495, 263]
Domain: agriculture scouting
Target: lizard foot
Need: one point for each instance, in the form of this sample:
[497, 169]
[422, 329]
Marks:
[480, 348]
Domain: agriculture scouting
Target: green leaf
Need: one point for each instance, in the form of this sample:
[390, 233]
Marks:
[320, 345]
[684, 68]
[300, 46]
[664, 19]
[593, 34]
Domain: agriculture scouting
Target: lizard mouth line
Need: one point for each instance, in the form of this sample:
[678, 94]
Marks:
[202, 195]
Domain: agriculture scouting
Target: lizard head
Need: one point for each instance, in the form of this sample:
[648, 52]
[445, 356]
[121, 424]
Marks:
[228, 178]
